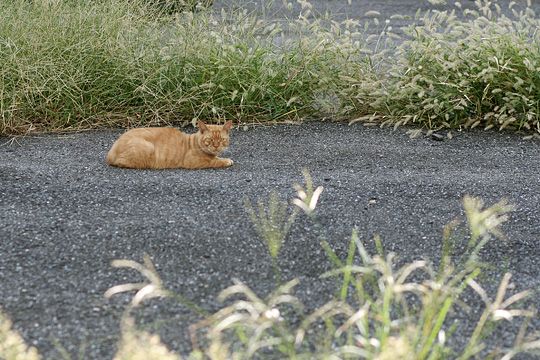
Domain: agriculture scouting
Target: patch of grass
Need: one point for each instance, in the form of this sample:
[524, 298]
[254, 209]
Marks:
[175, 6]
[72, 65]
[466, 68]
[65, 65]
[393, 311]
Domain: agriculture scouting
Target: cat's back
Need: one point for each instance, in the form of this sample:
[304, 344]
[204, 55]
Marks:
[155, 135]
[145, 147]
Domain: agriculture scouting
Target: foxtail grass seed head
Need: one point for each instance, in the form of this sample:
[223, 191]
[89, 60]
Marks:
[485, 221]
[307, 198]
[152, 288]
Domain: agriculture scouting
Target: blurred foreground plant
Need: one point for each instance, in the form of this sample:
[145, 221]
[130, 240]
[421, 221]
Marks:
[272, 223]
[382, 310]
[137, 344]
[12, 345]
[307, 197]
[385, 308]
[393, 310]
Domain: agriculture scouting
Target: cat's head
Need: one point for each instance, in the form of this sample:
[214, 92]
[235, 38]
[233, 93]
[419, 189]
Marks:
[213, 139]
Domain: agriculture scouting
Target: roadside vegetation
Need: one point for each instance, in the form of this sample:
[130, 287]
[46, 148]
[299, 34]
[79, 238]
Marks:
[74, 65]
[466, 68]
[382, 308]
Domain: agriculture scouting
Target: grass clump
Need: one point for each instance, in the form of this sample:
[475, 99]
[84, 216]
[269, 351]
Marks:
[141, 345]
[64, 66]
[175, 6]
[73, 65]
[466, 68]
[385, 312]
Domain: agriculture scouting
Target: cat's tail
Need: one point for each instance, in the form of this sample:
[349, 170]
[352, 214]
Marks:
[111, 155]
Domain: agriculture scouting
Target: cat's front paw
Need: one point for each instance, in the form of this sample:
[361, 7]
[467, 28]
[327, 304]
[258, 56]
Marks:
[228, 162]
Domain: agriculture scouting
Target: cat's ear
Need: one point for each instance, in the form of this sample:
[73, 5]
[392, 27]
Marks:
[228, 125]
[202, 126]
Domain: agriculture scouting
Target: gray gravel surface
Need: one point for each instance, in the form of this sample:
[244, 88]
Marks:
[64, 215]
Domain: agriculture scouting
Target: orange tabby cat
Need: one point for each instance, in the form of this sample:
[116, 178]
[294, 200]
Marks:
[162, 148]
